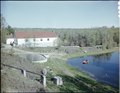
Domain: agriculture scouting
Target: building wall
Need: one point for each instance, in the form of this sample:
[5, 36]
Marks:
[9, 40]
[45, 42]
[39, 42]
[21, 41]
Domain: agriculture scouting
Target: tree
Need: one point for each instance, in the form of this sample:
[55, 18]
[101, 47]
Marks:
[10, 30]
[58, 42]
[116, 37]
[3, 29]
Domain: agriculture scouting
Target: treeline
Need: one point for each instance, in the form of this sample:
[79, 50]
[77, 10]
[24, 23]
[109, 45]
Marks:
[104, 36]
[5, 29]
[107, 37]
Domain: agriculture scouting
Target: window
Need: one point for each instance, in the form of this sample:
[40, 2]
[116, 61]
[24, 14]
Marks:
[34, 39]
[48, 39]
[41, 40]
[26, 40]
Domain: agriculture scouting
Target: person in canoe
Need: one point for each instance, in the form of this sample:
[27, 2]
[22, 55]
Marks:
[85, 62]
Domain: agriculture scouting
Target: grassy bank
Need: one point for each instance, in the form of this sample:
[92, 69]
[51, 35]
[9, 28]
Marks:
[79, 54]
[74, 80]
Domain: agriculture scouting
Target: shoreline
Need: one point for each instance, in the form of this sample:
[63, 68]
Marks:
[61, 68]
[95, 53]
[91, 53]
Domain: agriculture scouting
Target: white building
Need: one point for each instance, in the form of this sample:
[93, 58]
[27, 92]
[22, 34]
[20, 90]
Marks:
[34, 39]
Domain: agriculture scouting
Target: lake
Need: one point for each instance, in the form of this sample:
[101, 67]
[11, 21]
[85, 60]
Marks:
[103, 67]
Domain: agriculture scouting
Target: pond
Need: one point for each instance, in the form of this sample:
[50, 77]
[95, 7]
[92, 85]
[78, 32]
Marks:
[103, 67]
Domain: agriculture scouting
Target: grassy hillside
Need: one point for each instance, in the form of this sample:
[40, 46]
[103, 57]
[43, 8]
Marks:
[73, 79]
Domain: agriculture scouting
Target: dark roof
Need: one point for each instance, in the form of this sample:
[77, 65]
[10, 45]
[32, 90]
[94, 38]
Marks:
[35, 34]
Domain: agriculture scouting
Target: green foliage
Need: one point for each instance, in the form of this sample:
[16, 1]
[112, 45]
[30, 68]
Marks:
[107, 37]
[3, 35]
[5, 30]
[10, 30]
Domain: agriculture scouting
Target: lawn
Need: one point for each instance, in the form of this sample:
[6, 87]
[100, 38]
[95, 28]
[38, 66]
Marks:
[74, 80]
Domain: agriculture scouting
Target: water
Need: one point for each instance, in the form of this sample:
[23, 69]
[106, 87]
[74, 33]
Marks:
[104, 67]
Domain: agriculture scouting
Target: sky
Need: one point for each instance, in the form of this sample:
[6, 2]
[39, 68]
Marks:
[60, 14]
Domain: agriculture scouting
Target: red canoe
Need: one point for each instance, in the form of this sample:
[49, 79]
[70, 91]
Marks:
[85, 62]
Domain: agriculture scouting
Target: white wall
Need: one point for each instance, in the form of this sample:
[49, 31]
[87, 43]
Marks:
[38, 43]
[21, 41]
[46, 43]
[9, 40]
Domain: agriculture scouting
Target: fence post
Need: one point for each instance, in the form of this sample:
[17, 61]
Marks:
[43, 77]
[24, 73]
[44, 80]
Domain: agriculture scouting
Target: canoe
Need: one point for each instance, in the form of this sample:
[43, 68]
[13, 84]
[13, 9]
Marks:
[85, 62]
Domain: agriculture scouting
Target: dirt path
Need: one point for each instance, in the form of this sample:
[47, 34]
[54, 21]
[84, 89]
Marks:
[52, 55]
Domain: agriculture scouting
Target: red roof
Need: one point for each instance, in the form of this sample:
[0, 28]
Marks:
[35, 34]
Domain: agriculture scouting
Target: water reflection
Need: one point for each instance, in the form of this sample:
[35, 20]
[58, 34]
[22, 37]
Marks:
[104, 67]
[106, 57]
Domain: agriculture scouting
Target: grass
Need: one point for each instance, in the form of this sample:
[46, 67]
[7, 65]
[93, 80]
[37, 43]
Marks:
[74, 80]
[79, 54]
[40, 49]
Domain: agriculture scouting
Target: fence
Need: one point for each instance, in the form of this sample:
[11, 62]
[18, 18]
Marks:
[24, 73]
[21, 69]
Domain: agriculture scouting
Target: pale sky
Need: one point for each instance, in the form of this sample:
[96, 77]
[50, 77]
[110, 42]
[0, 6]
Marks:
[60, 14]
